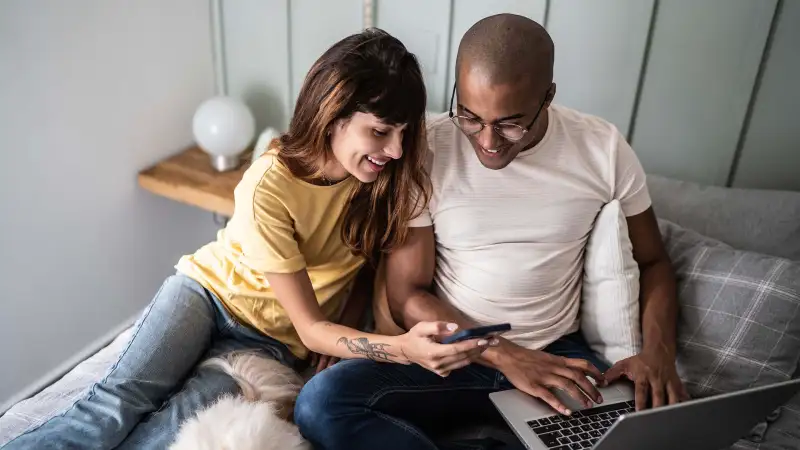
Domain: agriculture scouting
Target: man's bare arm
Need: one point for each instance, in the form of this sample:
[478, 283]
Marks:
[409, 277]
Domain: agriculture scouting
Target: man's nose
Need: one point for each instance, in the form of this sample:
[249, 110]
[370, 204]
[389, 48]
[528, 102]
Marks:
[487, 138]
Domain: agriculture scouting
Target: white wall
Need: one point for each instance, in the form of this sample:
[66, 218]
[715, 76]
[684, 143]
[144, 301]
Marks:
[91, 91]
[704, 90]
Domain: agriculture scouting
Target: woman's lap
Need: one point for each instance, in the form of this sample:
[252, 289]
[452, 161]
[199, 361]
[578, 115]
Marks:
[183, 324]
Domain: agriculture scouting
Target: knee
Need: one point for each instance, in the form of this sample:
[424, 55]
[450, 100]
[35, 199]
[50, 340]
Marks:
[325, 404]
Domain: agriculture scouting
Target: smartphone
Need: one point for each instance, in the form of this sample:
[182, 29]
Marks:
[476, 333]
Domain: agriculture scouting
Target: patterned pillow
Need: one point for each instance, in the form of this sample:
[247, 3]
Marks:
[739, 325]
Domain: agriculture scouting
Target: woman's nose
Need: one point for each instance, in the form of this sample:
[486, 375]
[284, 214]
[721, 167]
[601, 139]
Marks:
[394, 149]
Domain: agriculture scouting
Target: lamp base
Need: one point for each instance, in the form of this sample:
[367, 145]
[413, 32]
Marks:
[222, 163]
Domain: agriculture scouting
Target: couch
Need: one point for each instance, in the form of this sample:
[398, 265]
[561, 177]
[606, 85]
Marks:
[760, 223]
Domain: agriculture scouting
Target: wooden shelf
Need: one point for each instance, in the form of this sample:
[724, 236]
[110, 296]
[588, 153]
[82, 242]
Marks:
[189, 178]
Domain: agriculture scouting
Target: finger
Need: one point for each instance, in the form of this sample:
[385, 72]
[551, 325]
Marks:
[457, 348]
[657, 392]
[429, 329]
[640, 395]
[616, 372]
[685, 397]
[587, 368]
[570, 388]
[450, 360]
[673, 393]
[332, 361]
[548, 397]
[456, 365]
[580, 379]
[322, 363]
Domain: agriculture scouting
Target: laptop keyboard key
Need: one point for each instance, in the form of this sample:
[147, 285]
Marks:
[562, 447]
[596, 426]
[595, 434]
[576, 446]
[585, 420]
[564, 425]
[566, 432]
[586, 427]
[605, 423]
[586, 444]
[564, 441]
[575, 438]
[574, 423]
[584, 436]
[549, 439]
[546, 429]
[576, 430]
[544, 421]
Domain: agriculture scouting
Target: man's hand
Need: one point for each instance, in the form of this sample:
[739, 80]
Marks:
[536, 372]
[322, 362]
[655, 377]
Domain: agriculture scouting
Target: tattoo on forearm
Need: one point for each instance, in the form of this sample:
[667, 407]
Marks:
[362, 346]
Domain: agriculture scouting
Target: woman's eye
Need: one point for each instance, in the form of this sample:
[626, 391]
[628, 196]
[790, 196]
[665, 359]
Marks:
[378, 133]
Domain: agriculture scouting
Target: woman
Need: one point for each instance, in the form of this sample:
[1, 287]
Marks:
[332, 193]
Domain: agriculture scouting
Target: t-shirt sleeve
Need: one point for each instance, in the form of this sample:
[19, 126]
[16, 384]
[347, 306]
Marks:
[422, 220]
[422, 216]
[265, 230]
[630, 186]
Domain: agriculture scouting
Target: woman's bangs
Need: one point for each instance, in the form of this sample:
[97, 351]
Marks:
[399, 100]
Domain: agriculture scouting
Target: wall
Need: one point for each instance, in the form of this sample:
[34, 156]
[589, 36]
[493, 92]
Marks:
[92, 91]
[705, 91]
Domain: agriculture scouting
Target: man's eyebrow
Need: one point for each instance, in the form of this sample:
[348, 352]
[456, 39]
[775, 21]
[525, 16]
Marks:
[501, 119]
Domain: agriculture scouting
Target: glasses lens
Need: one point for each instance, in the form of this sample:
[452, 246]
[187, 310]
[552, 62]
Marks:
[510, 131]
[470, 126]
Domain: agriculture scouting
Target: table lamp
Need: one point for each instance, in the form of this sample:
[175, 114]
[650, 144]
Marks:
[223, 127]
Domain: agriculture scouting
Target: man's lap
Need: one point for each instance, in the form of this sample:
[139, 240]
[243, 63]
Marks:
[417, 395]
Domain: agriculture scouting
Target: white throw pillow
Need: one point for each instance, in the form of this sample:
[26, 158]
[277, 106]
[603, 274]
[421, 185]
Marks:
[610, 298]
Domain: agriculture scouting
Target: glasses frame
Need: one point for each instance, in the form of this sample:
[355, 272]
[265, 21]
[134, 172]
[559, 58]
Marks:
[454, 118]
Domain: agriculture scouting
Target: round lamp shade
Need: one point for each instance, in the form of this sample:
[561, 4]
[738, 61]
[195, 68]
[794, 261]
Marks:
[223, 127]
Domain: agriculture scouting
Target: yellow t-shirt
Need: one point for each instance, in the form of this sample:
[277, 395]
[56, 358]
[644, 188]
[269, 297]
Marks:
[280, 224]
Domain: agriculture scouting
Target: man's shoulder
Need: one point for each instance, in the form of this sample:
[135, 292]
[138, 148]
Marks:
[439, 129]
[434, 120]
[575, 121]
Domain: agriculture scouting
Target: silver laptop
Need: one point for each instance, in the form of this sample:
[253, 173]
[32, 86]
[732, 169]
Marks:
[704, 424]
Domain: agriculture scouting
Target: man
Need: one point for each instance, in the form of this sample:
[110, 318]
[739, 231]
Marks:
[508, 247]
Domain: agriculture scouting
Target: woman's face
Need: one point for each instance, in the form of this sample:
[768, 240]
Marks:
[363, 146]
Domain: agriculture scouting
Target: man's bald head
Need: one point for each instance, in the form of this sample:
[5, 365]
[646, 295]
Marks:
[506, 48]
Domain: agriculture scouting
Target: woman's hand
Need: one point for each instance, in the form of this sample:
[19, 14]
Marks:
[421, 346]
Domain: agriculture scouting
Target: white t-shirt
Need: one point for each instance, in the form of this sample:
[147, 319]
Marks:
[510, 242]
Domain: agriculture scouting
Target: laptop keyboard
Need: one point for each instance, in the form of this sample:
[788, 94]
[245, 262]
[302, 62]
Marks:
[580, 430]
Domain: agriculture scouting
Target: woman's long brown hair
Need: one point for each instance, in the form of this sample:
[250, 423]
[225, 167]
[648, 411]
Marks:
[369, 72]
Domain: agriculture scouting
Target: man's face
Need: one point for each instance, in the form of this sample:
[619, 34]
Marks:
[513, 103]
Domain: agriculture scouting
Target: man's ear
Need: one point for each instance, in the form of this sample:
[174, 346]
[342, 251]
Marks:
[551, 93]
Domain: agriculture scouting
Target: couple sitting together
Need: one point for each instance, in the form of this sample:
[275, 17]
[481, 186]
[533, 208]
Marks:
[480, 216]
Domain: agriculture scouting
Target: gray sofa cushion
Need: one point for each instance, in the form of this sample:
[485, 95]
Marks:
[756, 220]
[739, 325]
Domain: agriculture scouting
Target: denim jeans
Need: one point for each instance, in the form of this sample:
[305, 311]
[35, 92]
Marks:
[154, 385]
[361, 404]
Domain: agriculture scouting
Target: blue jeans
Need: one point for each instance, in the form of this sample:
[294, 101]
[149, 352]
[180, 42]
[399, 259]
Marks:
[361, 404]
[152, 388]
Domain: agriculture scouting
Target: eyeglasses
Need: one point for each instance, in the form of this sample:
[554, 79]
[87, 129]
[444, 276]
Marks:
[509, 131]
